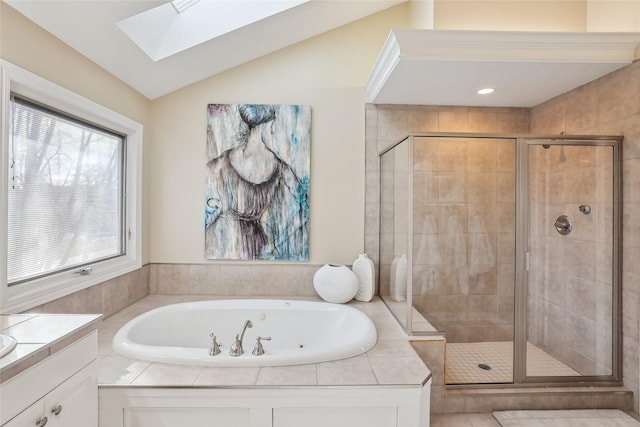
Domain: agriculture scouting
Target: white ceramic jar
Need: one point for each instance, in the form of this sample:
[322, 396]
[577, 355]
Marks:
[335, 283]
[398, 285]
[365, 271]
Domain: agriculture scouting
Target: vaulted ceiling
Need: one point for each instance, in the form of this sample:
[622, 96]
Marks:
[91, 28]
[415, 66]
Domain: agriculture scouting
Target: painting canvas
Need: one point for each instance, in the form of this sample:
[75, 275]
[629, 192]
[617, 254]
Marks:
[257, 188]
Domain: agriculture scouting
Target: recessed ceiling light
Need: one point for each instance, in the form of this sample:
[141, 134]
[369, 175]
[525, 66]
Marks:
[182, 5]
[486, 91]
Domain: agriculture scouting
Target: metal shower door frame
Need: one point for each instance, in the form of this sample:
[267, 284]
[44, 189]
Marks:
[523, 222]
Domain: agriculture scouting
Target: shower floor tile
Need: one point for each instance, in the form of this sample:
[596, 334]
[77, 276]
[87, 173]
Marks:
[462, 360]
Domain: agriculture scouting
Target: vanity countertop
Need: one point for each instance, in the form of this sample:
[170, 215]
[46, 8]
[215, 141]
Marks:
[39, 336]
[391, 362]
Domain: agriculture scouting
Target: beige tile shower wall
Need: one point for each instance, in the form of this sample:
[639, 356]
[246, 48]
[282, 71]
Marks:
[570, 286]
[464, 222]
[611, 105]
[388, 124]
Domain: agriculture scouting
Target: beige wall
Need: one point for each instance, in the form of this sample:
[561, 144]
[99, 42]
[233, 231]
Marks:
[511, 15]
[30, 47]
[327, 72]
[613, 15]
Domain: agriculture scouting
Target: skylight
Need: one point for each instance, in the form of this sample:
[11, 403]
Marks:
[182, 5]
[161, 32]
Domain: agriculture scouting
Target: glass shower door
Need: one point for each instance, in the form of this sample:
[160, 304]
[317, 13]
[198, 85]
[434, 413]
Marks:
[570, 243]
[463, 252]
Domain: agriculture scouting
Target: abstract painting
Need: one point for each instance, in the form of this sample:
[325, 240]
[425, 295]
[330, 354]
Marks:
[257, 188]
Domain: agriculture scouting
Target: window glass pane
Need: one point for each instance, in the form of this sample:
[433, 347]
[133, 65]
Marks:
[65, 193]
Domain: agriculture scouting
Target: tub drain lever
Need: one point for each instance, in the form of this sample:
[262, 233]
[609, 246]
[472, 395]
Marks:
[215, 347]
[258, 350]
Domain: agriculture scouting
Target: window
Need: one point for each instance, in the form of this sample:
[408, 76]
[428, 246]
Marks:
[70, 194]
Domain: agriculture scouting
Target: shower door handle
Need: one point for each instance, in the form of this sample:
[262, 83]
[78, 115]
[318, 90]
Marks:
[563, 225]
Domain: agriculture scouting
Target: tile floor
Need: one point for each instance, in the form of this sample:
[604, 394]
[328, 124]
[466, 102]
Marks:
[464, 420]
[462, 360]
[527, 420]
[567, 418]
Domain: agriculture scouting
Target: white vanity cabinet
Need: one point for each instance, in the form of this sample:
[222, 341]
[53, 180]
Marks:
[363, 406]
[59, 391]
[71, 404]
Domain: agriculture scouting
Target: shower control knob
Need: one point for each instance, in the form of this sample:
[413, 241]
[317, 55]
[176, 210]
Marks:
[563, 225]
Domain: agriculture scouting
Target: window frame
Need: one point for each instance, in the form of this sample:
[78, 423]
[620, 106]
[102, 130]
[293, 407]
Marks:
[31, 293]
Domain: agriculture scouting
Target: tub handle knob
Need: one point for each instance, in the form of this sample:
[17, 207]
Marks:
[258, 350]
[215, 347]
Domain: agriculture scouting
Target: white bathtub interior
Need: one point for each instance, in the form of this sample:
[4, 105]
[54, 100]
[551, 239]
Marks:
[292, 332]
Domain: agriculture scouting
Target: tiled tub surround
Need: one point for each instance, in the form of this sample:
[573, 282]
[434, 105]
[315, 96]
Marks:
[106, 298]
[234, 279]
[391, 368]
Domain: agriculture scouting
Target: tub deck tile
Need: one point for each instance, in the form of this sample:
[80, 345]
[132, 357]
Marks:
[211, 377]
[352, 371]
[288, 375]
[119, 370]
[160, 374]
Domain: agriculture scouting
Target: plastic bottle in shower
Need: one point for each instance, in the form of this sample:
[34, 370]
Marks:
[398, 285]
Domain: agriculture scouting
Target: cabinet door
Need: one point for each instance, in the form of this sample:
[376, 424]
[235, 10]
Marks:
[74, 403]
[335, 417]
[186, 417]
[30, 417]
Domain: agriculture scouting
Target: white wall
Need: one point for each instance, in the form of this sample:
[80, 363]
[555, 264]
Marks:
[327, 72]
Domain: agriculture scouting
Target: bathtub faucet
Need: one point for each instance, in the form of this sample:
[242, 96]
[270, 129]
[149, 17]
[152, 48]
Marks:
[236, 348]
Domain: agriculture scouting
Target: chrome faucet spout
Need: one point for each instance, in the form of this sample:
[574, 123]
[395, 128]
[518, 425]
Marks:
[236, 348]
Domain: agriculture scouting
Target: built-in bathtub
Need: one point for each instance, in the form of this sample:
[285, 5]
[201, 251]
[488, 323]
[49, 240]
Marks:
[387, 386]
[294, 332]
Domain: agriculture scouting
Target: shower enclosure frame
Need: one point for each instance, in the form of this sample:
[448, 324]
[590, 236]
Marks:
[521, 234]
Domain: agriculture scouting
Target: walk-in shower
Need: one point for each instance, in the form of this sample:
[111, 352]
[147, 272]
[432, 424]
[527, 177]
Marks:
[509, 246]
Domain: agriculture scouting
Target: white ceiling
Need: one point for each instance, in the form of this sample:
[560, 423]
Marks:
[90, 28]
[415, 66]
[525, 68]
